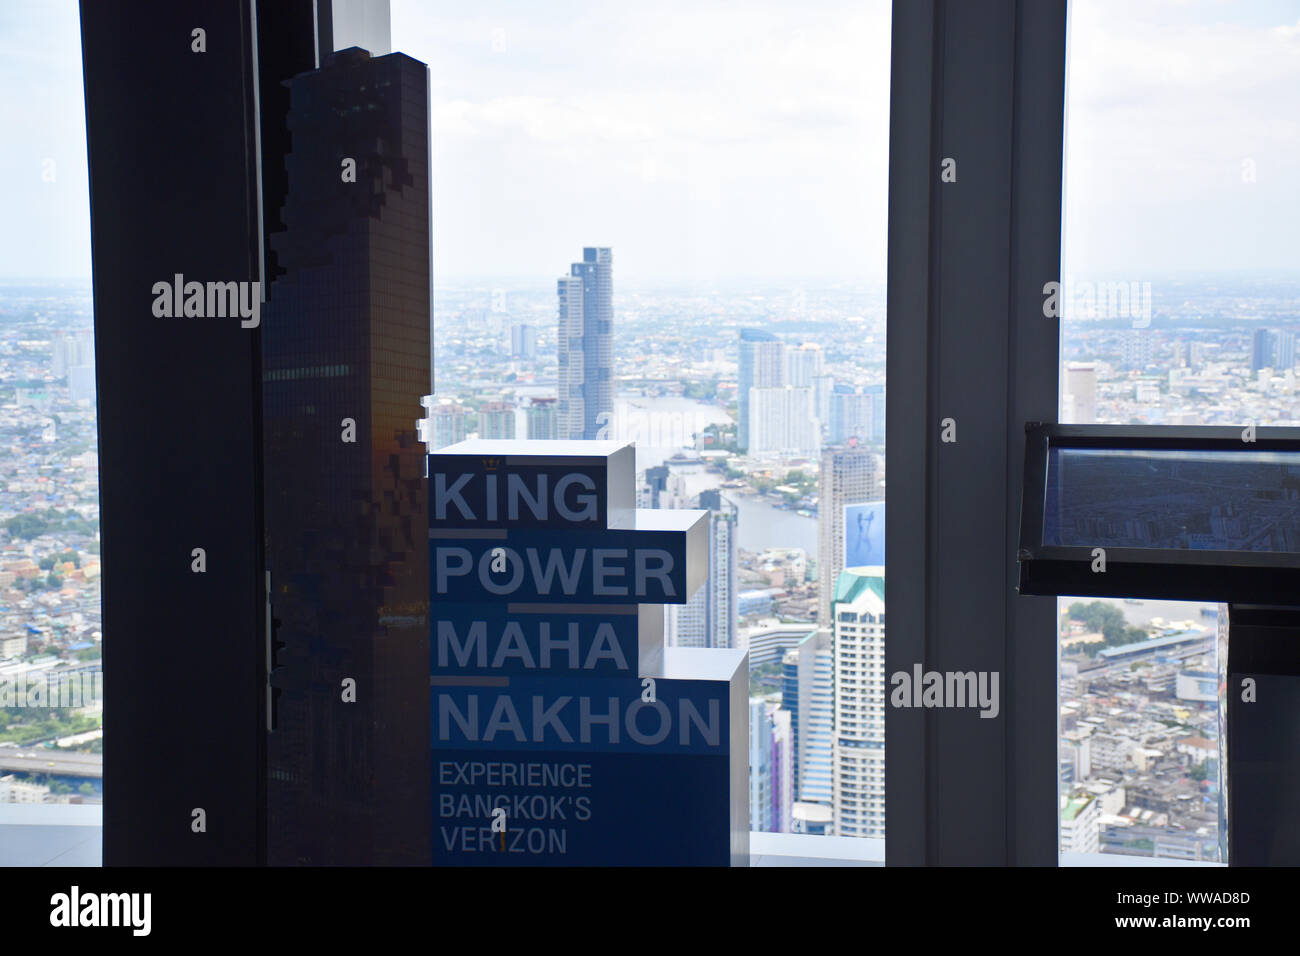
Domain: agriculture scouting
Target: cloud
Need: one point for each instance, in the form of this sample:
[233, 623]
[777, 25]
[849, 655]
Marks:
[1166, 103]
[701, 137]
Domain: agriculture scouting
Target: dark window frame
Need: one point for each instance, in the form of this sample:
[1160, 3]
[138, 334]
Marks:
[982, 82]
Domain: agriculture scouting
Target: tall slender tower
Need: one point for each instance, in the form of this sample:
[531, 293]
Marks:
[1261, 350]
[803, 364]
[708, 619]
[761, 365]
[585, 345]
[808, 693]
[1079, 403]
[850, 475]
[858, 748]
[345, 361]
[760, 766]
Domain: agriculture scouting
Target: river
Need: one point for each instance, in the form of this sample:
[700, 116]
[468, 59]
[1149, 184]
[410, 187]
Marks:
[1140, 613]
[661, 427]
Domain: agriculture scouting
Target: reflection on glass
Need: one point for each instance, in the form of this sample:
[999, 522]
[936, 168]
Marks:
[1179, 500]
[1178, 304]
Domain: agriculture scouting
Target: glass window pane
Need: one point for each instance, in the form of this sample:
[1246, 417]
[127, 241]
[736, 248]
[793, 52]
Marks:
[667, 224]
[1178, 500]
[1179, 304]
[51, 682]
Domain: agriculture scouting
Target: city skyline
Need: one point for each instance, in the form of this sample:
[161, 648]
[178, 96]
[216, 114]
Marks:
[1214, 357]
[347, 341]
[701, 258]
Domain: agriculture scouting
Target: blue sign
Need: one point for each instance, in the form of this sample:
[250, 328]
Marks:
[577, 809]
[562, 731]
[864, 535]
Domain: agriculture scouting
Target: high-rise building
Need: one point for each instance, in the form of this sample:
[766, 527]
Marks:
[345, 360]
[877, 393]
[850, 474]
[782, 770]
[1136, 348]
[803, 364]
[709, 618]
[686, 625]
[1080, 824]
[72, 350]
[761, 365]
[523, 340]
[448, 424]
[1283, 350]
[851, 416]
[808, 694]
[1272, 348]
[1261, 350]
[315, 428]
[760, 766]
[81, 383]
[790, 659]
[585, 345]
[654, 485]
[822, 386]
[781, 422]
[770, 763]
[724, 520]
[1079, 403]
[496, 420]
[858, 749]
[539, 417]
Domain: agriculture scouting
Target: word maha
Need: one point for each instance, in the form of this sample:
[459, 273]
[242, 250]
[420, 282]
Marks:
[511, 644]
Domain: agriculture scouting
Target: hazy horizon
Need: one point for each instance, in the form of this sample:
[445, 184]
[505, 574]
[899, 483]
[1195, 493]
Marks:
[487, 281]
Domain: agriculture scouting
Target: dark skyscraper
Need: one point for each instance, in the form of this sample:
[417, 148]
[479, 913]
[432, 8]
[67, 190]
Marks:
[223, 451]
[345, 362]
[585, 346]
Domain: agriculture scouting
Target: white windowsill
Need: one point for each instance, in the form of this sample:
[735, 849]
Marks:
[52, 814]
[76, 833]
[801, 849]
[51, 834]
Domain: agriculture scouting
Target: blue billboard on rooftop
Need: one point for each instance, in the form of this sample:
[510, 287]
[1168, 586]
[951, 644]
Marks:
[864, 535]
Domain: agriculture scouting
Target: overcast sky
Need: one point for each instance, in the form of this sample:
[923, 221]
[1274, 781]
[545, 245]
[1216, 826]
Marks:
[725, 141]
[1166, 100]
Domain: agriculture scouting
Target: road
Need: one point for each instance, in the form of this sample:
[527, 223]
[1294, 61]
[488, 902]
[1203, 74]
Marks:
[38, 760]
